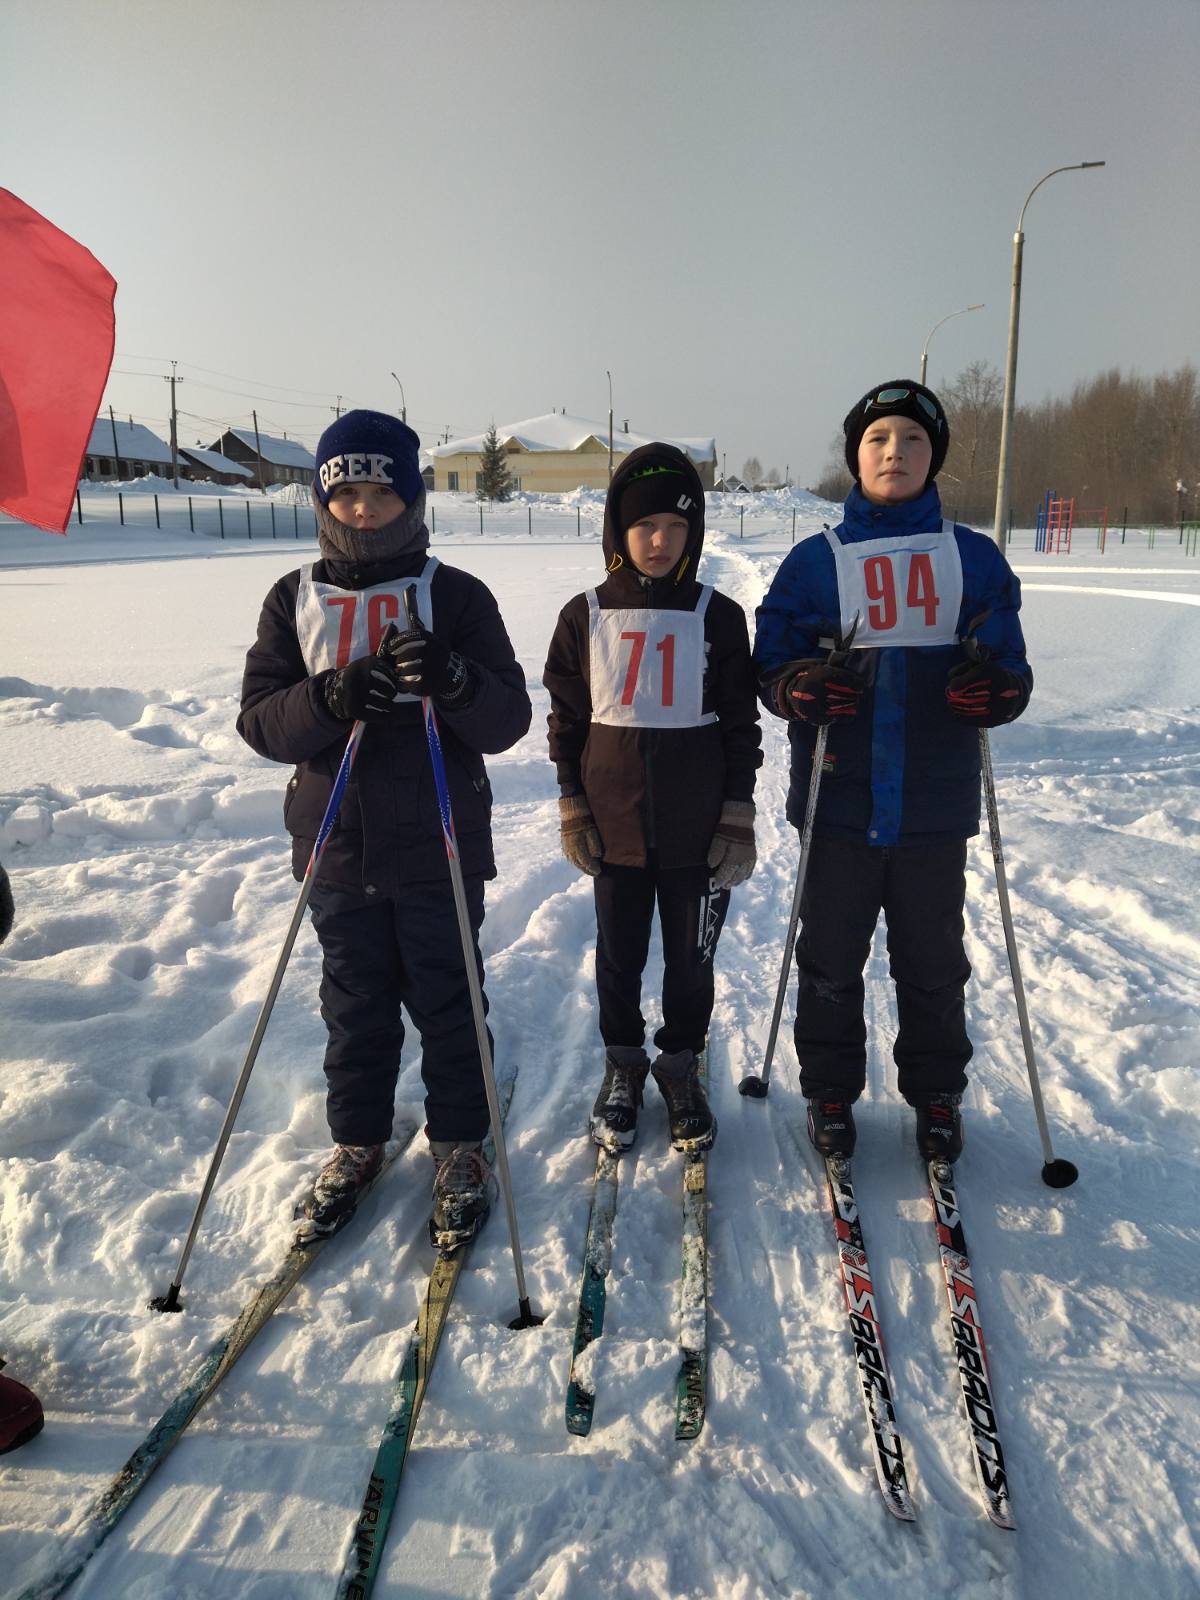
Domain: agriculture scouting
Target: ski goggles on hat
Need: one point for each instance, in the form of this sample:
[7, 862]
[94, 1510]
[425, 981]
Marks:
[889, 397]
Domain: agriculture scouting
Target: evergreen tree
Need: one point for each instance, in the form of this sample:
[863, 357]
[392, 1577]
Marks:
[495, 480]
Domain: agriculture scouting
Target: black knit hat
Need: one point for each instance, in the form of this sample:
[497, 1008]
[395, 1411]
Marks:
[902, 398]
[660, 480]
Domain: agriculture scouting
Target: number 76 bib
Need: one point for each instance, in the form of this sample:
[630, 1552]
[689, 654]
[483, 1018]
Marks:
[904, 590]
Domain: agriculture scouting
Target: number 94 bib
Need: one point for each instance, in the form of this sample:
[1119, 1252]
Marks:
[647, 666]
[905, 590]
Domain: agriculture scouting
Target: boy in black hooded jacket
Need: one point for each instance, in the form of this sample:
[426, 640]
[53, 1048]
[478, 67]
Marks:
[654, 732]
[382, 903]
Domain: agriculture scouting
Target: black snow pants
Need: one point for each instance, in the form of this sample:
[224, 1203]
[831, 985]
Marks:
[920, 889]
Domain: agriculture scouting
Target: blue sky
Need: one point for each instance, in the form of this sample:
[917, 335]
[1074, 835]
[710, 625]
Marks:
[748, 215]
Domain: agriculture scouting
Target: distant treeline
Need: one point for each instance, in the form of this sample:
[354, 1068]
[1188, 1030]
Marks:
[1115, 441]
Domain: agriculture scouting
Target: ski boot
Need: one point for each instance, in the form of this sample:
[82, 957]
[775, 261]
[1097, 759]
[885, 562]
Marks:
[939, 1128]
[338, 1189]
[831, 1128]
[614, 1115]
[462, 1194]
[20, 1414]
[693, 1126]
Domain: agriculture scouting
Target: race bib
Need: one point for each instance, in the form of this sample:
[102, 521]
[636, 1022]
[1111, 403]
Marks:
[903, 590]
[647, 667]
[336, 626]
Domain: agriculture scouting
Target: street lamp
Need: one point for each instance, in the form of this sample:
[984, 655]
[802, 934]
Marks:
[934, 329]
[1010, 371]
[403, 405]
[608, 375]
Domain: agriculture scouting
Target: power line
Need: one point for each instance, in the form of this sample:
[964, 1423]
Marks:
[213, 372]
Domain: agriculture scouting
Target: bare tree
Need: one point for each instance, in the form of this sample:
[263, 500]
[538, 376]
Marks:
[751, 471]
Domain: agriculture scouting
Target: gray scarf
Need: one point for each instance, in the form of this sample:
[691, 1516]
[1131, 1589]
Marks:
[366, 547]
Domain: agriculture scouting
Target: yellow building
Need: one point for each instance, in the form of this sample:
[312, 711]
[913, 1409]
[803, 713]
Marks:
[554, 454]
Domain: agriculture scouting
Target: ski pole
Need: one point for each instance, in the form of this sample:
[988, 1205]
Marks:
[525, 1317]
[755, 1085]
[170, 1300]
[1057, 1173]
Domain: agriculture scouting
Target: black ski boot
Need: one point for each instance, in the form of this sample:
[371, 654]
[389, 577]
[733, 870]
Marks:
[939, 1128]
[339, 1186]
[831, 1127]
[693, 1126]
[462, 1195]
[614, 1116]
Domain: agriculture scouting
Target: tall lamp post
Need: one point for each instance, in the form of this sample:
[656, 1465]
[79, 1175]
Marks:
[1010, 369]
[934, 329]
[608, 375]
[403, 404]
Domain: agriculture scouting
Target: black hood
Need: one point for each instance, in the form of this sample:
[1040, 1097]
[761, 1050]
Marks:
[615, 555]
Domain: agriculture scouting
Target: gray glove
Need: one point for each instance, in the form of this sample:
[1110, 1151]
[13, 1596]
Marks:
[732, 855]
[581, 843]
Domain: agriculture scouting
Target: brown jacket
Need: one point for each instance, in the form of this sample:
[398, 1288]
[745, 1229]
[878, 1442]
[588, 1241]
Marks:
[655, 788]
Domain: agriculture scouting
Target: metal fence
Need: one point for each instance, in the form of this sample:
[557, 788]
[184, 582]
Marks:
[246, 518]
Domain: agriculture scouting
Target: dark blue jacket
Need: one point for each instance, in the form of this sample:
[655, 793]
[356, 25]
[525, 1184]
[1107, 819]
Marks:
[388, 830]
[904, 771]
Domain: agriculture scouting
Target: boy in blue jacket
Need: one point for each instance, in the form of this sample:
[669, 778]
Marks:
[900, 786]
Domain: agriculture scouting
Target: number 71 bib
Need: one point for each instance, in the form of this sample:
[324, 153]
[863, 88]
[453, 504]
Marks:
[904, 590]
[647, 666]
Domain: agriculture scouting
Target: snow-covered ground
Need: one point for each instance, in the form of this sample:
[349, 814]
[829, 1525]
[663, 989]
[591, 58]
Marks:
[149, 866]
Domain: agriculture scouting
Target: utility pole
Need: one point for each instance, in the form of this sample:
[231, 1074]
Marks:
[116, 450]
[403, 404]
[258, 447]
[608, 375]
[337, 409]
[172, 380]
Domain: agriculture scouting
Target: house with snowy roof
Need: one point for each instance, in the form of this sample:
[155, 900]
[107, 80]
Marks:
[556, 453]
[210, 466]
[282, 460]
[123, 450]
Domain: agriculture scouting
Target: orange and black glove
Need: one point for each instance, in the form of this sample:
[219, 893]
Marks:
[985, 694]
[818, 692]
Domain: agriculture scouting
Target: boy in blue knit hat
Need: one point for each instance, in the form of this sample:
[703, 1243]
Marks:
[382, 904]
[899, 792]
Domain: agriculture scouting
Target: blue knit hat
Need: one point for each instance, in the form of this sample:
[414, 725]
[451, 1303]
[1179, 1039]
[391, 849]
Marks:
[368, 447]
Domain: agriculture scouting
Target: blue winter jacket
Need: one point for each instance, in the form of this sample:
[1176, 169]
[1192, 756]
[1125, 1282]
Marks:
[903, 771]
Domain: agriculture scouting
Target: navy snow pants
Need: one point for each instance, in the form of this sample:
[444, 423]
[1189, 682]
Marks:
[380, 954]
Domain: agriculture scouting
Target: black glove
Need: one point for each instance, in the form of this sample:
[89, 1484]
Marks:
[424, 665]
[985, 694]
[818, 692]
[364, 691]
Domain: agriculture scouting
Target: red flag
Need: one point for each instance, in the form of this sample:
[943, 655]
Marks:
[56, 346]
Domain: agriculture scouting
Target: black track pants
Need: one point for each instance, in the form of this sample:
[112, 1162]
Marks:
[691, 918]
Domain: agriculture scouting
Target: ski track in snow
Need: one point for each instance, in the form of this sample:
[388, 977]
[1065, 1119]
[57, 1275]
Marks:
[152, 887]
